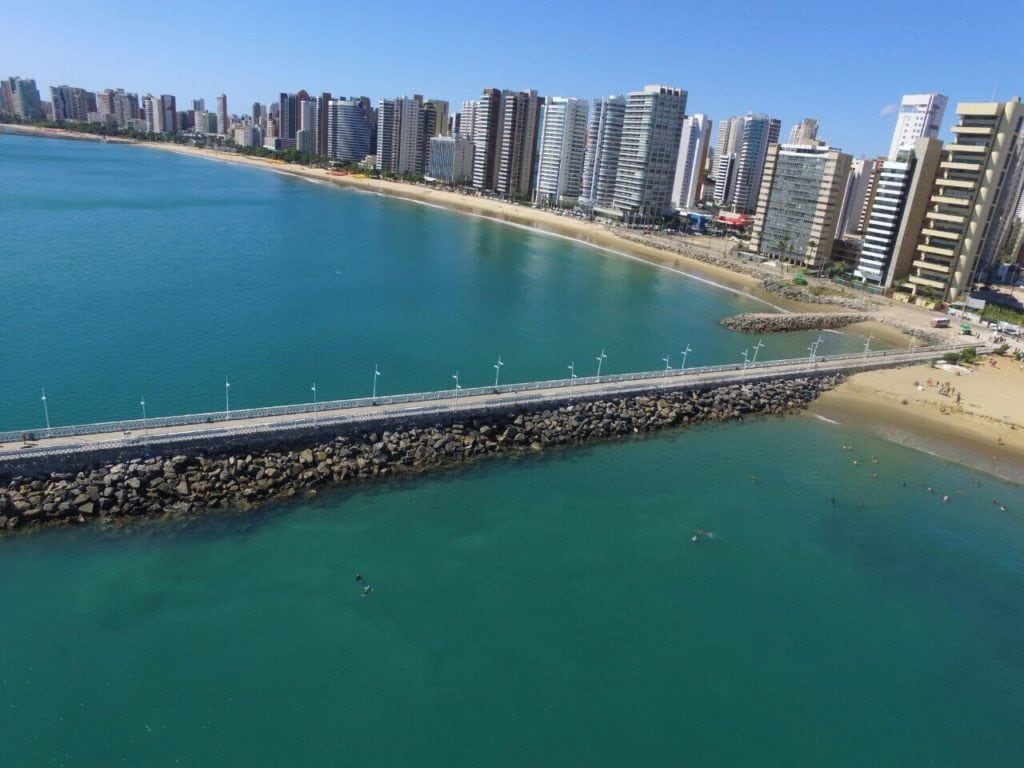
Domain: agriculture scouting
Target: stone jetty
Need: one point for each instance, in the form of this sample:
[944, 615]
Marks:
[194, 484]
[766, 322]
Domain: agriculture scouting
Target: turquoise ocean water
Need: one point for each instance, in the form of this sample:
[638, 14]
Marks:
[129, 272]
[550, 610]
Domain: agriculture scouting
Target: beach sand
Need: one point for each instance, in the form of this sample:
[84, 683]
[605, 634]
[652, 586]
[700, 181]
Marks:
[985, 430]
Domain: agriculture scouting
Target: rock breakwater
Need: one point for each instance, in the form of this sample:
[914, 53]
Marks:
[190, 484]
[765, 322]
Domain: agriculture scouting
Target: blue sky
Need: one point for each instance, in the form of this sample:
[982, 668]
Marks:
[842, 63]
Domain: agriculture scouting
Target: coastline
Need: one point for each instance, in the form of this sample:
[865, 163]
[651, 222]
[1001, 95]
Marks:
[984, 431]
[867, 400]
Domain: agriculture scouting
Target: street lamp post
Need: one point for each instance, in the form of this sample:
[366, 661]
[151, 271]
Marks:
[867, 344]
[227, 399]
[145, 424]
[667, 366]
[497, 371]
[757, 348]
[745, 353]
[685, 353]
[600, 359]
[457, 385]
[572, 376]
[376, 375]
[913, 340]
[46, 412]
[314, 403]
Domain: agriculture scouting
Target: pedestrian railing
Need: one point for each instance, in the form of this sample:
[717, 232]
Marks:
[331, 412]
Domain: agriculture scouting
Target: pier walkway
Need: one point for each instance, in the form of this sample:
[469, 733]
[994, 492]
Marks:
[165, 434]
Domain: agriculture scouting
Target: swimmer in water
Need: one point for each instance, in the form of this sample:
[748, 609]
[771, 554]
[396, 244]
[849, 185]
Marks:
[367, 590]
[359, 577]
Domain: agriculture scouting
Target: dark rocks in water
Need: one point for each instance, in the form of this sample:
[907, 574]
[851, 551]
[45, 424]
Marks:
[763, 322]
[158, 486]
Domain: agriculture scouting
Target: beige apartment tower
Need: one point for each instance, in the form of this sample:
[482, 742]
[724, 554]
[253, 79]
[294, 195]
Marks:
[968, 214]
[798, 207]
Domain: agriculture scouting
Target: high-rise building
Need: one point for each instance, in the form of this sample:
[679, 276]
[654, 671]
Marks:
[861, 173]
[305, 137]
[804, 131]
[400, 136]
[6, 98]
[651, 129]
[601, 163]
[23, 98]
[739, 156]
[288, 115]
[451, 159]
[270, 137]
[105, 107]
[967, 220]
[798, 206]
[920, 116]
[484, 123]
[561, 147]
[154, 113]
[72, 104]
[693, 157]
[894, 223]
[349, 129]
[323, 106]
[759, 132]
[223, 123]
[169, 111]
[439, 126]
[126, 108]
[520, 112]
[727, 149]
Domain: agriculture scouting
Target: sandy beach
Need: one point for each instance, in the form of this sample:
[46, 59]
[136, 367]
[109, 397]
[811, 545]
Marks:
[985, 430]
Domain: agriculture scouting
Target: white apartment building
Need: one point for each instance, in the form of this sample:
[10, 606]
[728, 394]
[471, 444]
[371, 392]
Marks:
[693, 155]
[601, 163]
[759, 131]
[451, 159]
[727, 148]
[861, 173]
[920, 116]
[651, 130]
[561, 147]
[894, 221]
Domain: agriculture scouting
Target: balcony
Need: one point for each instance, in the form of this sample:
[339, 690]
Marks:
[953, 218]
[960, 202]
[947, 252]
[950, 165]
[932, 266]
[973, 149]
[958, 183]
[973, 130]
[918, 280]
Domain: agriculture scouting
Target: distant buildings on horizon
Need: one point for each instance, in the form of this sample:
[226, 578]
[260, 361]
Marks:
[925, 222]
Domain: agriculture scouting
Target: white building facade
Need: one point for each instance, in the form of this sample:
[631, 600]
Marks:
[561, 148]
[693, 154]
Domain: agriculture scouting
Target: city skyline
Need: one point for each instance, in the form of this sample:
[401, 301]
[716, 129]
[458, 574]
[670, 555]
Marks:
[751, 66]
